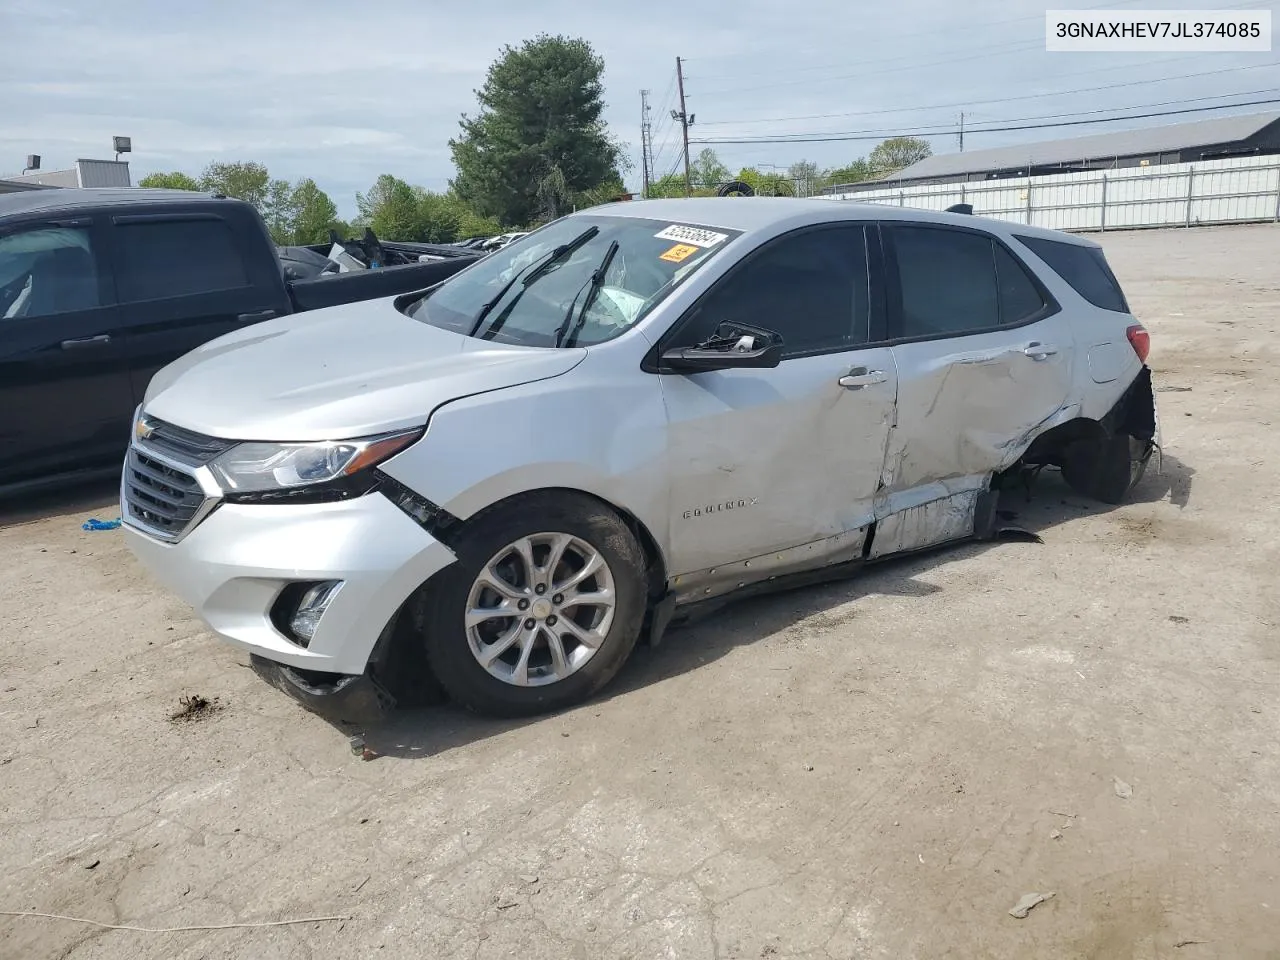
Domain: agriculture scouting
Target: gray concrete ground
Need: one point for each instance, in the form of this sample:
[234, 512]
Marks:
[879, 768]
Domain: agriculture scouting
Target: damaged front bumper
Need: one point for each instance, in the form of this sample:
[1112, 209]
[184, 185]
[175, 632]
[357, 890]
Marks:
[341, 698]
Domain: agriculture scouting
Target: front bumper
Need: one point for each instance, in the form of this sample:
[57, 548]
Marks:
[233, 565]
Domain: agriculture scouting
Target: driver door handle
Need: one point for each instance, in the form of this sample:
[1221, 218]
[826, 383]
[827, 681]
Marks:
[100, 340]
[860, 377]
[1039, 351]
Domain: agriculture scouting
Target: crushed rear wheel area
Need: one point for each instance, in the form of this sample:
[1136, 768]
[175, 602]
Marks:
[1101, 459]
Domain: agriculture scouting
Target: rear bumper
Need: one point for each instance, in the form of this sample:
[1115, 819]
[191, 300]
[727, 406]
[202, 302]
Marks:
[234, 565]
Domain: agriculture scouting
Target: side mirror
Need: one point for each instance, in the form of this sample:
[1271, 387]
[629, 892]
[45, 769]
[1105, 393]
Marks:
[734, 346]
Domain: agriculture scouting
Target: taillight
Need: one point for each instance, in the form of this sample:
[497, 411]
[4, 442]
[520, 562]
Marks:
[1140, 340]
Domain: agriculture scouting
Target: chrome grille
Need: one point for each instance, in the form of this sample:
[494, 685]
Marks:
[160, 490]
[192, 449]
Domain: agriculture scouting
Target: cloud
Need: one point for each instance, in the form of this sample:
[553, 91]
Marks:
[342, 93]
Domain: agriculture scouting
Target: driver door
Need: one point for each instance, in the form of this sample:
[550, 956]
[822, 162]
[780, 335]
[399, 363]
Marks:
[762, 460]
[64, 385]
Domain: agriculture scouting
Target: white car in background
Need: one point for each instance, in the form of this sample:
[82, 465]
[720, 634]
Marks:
[637, 408]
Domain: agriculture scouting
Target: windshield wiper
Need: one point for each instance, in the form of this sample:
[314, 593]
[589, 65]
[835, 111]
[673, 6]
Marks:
[593, 290]
[532, 272]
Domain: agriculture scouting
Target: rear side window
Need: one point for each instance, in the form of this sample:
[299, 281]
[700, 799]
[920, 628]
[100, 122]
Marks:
[1085, 268]
[1020, 298]
[947, 282]
[174, 258]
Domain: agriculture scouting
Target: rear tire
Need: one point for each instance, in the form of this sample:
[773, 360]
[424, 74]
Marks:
[516, 567]
[1107, 469]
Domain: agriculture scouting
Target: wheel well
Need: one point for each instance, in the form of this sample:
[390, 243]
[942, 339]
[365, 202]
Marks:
[1133, 413]
[399, 662]
[655, 563]
[1053, 446]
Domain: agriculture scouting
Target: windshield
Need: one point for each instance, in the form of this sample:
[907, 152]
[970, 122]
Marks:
[576, 282]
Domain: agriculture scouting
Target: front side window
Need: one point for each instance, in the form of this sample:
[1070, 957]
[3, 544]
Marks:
[160, 259]
[47, 271]
[810, 287]
[947, 282]
[578, 281]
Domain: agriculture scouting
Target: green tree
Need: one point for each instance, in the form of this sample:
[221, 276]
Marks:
[605, 193]
[806, 177]
[539, 138]
[177, 180]
[470, 223]
[294, 213]
[855, 172]
[278, 210]
[898, 152]
[766, 184]
[396, 210]
[672, 185]
[311, 214]
[245, 181]
[707, 171]
[252, 183]
[438, 217]
[390, 208]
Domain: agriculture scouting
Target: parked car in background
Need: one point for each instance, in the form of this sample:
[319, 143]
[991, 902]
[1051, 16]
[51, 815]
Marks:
[101, 288]
[637, 409]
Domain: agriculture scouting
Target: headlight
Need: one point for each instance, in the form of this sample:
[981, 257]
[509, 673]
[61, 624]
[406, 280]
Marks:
[262, 467]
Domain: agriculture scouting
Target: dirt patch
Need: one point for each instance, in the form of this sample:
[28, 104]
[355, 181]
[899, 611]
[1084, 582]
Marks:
[1145, 529]
[194, 708]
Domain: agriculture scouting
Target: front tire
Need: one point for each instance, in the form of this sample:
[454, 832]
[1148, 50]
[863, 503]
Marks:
[541, 609]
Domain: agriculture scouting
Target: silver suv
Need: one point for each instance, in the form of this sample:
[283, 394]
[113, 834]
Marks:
[512, 477]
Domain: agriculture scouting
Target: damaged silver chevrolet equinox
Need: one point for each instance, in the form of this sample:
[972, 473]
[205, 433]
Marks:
[503, 482]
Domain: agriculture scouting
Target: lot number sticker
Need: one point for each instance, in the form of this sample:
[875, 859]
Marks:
[678, 253]
[698, 236]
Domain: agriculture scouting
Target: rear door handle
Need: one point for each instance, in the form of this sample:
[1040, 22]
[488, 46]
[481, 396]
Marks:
[1039, 351]
[255, 317]
[860, 377]
[97, 341]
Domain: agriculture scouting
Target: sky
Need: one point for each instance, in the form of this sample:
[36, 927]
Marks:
[341, 92]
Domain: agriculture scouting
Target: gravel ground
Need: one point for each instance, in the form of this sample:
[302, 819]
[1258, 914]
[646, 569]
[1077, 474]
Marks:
[879, 768]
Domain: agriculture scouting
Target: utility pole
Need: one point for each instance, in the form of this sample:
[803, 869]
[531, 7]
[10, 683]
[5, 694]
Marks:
[646, 133]
[962, 131]
[686, 121]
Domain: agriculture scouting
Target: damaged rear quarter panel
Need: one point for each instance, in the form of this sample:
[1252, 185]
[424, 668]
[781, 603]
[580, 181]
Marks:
[969, 406]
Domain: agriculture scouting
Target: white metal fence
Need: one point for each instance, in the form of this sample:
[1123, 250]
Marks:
[1234, 190]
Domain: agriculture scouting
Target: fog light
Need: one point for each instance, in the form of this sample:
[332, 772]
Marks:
[314, 602]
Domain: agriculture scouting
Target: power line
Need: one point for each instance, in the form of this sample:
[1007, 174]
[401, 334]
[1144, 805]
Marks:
[946, 31]
[1050, 116]
[913, 63]
[1028, 96]
[665, 126]
[814, 81]
[913, 59]
[874, 135]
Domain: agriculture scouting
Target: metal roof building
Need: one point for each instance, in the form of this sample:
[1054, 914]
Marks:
[85, 173]
[1213, 139]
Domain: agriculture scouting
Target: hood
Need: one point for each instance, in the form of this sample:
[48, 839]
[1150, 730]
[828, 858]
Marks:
[335, 374]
